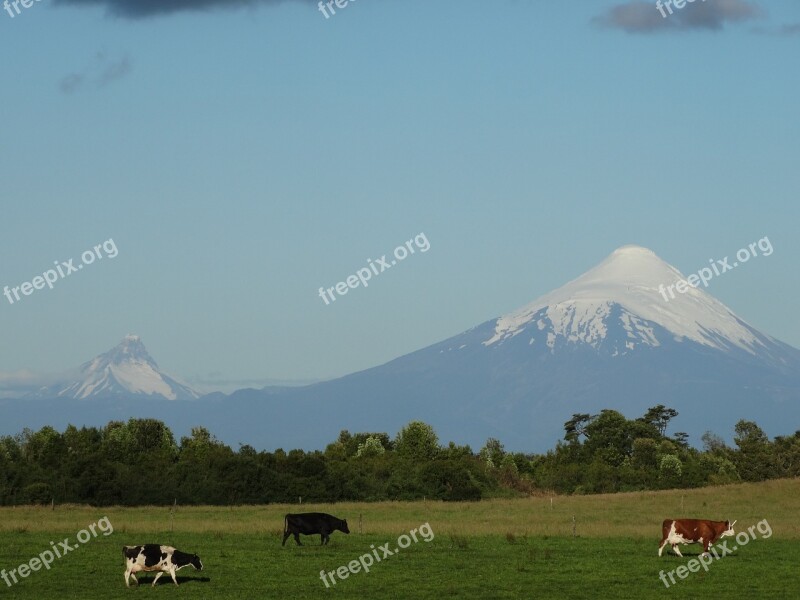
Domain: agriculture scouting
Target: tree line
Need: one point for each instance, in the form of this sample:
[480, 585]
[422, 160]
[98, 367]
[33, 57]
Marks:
[141, 462]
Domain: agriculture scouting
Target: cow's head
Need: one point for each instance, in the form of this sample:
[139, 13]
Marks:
[343, 526]
[728, 530]
[196, 562]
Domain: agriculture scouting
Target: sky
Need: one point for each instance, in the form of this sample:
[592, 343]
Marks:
[236, 156]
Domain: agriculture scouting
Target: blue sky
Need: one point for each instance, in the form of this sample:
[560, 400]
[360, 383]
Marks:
[242, 157]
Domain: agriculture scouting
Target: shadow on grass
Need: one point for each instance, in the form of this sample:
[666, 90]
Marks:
[689, 555]
[165, 580]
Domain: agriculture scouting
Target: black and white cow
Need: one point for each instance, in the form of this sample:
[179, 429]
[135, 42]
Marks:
[311, 523]
[152, 557]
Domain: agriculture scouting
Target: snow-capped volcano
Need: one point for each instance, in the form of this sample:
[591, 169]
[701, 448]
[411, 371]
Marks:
[637, 283]
[126, 370]
[608, 339]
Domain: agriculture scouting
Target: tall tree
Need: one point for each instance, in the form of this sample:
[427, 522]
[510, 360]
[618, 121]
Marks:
[576, 426]
[660, 416]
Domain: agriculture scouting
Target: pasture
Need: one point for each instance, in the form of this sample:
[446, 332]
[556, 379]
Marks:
[523, 548]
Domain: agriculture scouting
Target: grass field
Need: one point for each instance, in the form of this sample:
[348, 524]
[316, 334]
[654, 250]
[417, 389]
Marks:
[492, 549]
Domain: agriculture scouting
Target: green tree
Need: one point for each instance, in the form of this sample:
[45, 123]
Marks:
[670, 470]
[659, 416]
[609, 438]
[417, 441]
[754, 458]
[371, 446]
[577, 426]
[645, 454]
[713, 443]
[492, 453]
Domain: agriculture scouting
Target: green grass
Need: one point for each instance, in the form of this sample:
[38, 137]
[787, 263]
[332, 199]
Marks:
[494, 549]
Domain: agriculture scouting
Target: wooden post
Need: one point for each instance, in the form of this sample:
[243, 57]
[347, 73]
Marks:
[551, 503]
[360, 529]
[172, 516]
[574, 533]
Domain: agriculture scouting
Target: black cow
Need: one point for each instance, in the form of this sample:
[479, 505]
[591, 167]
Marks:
[152, 557]
[310, 524]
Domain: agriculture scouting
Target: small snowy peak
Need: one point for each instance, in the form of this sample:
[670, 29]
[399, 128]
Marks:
[127, 369]
[638, 281]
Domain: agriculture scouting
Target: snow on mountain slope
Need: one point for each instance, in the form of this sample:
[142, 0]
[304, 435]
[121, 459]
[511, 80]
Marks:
[637, 280]
[126, 369]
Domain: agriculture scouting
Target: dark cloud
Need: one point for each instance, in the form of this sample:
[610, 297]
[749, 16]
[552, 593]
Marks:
[638, 16]
[140, 9]
[101, 72]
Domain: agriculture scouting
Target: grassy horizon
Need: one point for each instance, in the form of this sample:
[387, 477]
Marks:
[629, 514]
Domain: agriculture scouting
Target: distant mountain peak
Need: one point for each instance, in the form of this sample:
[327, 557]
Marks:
[131, 348]
[125, 370]
[630, 284]
[633, 251]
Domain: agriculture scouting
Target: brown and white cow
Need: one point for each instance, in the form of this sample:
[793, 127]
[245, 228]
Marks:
[693, 531]
[152, 557]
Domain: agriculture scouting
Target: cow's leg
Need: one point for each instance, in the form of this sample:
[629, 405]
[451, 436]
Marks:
[159, 574]
[130, 575]
[172, 572]
[286, 535]
[677, 550]
[661, 547]
[297, 539]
